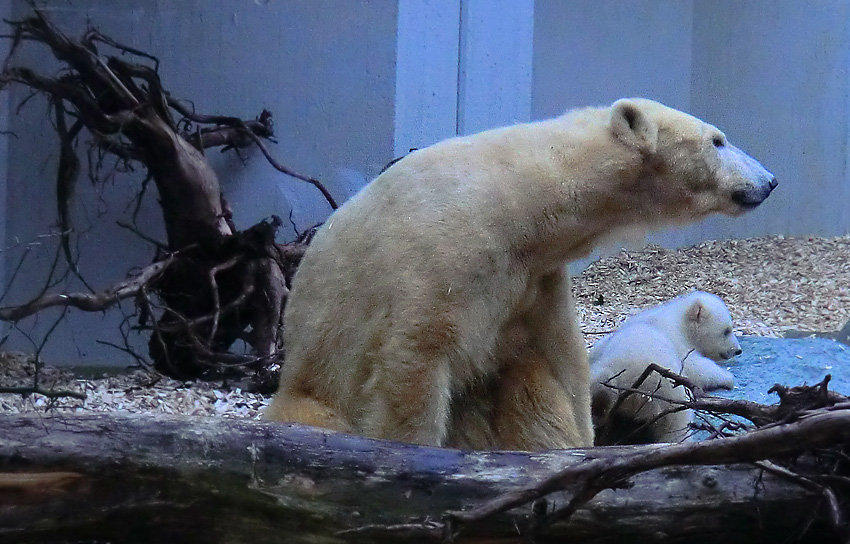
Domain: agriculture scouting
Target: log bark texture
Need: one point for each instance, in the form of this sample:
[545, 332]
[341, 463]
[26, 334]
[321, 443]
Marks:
[131, 478]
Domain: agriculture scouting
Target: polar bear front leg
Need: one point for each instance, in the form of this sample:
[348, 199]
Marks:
[409, 401]
[542, 398]
[554, 332]
[533, 411]
[706, 373]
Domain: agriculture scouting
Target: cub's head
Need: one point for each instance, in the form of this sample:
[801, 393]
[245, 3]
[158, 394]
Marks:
[709, 326]
[688, 168]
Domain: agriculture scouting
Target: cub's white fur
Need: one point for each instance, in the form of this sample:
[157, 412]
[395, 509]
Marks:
[686, 335]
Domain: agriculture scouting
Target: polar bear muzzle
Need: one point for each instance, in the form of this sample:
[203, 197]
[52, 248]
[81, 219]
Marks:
[758, 182]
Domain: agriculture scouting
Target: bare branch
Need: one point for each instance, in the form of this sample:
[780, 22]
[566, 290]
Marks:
[625, 393]
[94, 302]
[289, 172]
[234, 304]
[205, 354]
[154, 95]
[67, 174]
[60, 89]
[142, 235]
[102, 81]
[38, 390]
[122, 103]
[835, 517]
[228, 264]
[15, 273]
[240, 124]
[94, 35]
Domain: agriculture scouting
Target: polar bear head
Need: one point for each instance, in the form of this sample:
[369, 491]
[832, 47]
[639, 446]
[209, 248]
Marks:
[708, 326]
[688, 168]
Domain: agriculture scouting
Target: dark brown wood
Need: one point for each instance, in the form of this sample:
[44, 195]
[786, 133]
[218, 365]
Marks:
[226, 285]
[134, 478]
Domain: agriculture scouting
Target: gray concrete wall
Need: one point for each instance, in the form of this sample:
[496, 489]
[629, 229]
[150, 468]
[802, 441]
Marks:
[774, 75]
[592, 52]
[463, 66]
[496, 43]
[324, 68]
[426, 99]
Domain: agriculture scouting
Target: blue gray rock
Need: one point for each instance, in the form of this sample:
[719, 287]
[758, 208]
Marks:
[767, 361]
[786, 361]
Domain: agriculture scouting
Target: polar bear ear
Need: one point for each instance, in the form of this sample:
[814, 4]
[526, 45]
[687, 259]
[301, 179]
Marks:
[632, 126]
[696, 312]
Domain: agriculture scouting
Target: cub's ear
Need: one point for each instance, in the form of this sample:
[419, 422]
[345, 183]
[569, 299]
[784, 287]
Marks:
[696, 312]
[632, 126]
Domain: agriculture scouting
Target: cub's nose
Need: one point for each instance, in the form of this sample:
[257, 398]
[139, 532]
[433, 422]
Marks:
[739, 351]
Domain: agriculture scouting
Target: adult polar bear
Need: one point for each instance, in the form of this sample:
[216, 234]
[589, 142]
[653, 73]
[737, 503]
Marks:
[433, 307]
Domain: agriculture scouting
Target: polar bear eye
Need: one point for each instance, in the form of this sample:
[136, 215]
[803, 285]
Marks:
[727, 331]
[718, 141]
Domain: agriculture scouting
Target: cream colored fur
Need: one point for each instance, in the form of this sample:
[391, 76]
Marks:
[432, 307]
[686, 335]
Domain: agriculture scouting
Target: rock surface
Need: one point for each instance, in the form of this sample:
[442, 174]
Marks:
[767, 361]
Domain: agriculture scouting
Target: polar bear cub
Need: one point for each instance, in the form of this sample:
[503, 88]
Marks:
[686, 335]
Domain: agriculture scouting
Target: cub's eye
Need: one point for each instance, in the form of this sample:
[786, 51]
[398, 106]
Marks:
[727, 332]
[718, 141]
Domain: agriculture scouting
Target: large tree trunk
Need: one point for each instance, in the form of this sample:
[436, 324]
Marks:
[121, 478]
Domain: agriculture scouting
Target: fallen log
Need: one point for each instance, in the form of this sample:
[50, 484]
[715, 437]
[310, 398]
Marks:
[135, 478]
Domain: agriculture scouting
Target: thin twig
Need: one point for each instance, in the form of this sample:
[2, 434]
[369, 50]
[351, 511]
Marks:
[193, 323]
[94, 35]
[678, 379]
[226, 265]
[289, 172]
[205, 354]
[124, 329]
[15, 273]
[142, 235]
[833, 507]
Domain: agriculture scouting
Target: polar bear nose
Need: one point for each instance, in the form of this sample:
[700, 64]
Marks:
[773, 183]
[739, 351]
[755, 193]
[751, 197]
